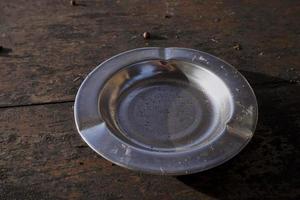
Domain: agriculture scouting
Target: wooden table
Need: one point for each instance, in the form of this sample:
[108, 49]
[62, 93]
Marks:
[49, 46]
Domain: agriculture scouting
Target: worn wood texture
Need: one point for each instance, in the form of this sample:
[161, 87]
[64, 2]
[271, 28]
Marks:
[50, 46]
[42, 157]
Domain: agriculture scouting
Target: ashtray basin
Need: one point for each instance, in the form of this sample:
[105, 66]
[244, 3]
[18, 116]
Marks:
[166, 110]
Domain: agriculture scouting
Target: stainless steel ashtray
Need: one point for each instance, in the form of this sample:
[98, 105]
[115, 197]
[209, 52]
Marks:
[166, 110]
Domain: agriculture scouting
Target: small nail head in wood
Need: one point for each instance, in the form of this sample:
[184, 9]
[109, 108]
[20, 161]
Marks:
[146, 35]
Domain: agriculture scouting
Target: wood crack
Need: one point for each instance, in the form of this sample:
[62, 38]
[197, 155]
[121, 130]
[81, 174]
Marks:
[36, 104]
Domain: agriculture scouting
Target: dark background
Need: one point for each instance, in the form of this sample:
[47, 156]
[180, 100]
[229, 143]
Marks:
[49, 46]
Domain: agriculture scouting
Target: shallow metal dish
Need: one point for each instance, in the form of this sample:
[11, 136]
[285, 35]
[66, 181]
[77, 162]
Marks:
[166, 110]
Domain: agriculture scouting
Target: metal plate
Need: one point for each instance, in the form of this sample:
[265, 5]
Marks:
[166, 110]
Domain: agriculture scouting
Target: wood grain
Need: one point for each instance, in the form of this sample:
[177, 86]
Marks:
[43, 157]
[50, 46]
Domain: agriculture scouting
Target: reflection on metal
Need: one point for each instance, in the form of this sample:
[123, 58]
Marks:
[166, 110]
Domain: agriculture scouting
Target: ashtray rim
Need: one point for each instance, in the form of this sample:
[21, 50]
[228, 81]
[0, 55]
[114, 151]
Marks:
[95, 133]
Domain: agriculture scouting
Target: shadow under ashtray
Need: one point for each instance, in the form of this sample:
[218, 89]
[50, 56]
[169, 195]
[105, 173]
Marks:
[269, 166]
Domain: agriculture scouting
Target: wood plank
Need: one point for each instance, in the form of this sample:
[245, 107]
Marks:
[42, 157]
[50, 46]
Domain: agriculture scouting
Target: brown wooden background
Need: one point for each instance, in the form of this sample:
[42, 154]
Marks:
[49, 47]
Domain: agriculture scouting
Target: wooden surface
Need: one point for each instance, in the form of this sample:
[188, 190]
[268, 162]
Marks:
[49, 47]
